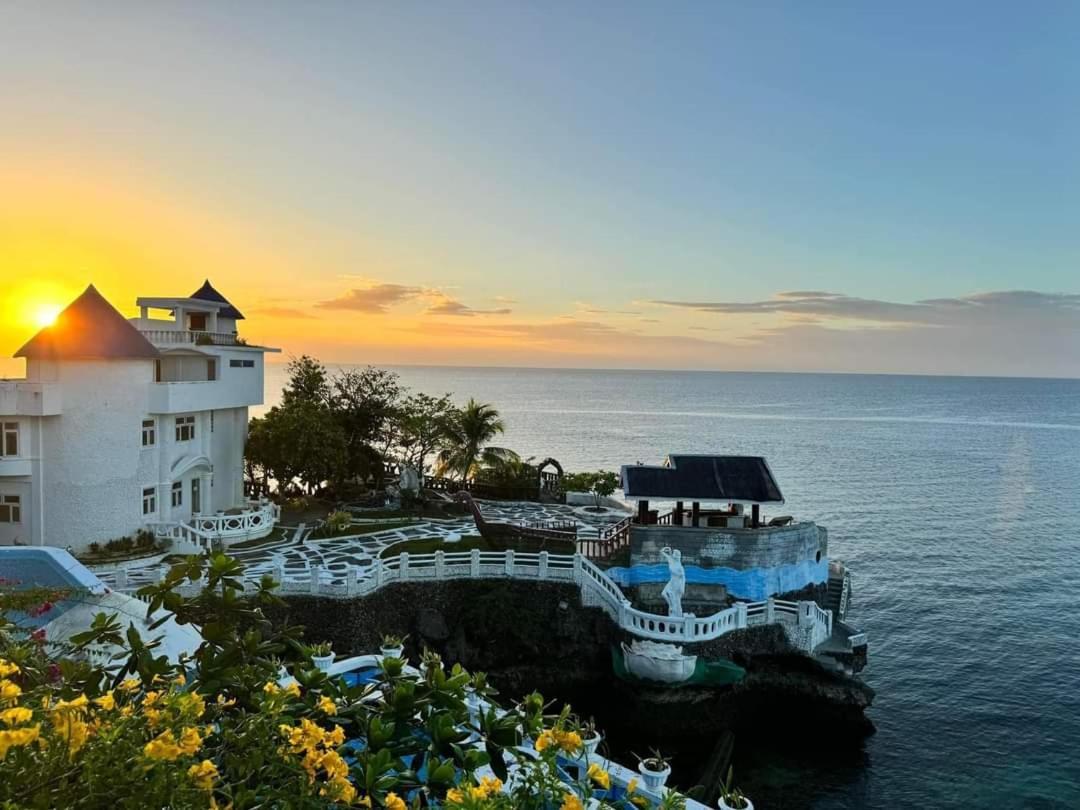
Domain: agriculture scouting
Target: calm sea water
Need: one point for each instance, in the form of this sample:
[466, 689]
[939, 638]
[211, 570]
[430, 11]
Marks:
[956, 501]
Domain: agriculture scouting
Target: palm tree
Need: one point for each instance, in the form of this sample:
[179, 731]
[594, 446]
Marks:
[466, 449]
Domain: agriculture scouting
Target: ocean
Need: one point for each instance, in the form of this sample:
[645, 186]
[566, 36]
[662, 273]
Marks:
[956, 503]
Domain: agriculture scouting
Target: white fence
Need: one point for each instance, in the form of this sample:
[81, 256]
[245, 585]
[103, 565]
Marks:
[806, 624]
[202, 532]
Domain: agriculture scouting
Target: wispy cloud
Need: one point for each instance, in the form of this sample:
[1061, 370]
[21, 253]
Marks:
[931, 311]
[377, 298]
[380, 297]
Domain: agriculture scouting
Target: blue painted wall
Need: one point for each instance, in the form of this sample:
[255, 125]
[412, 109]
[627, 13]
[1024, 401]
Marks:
[754, 584]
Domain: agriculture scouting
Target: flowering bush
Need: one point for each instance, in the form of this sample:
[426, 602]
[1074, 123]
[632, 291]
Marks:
[221, 729]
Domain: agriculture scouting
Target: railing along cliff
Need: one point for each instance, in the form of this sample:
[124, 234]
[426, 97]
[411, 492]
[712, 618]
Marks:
[805, 623]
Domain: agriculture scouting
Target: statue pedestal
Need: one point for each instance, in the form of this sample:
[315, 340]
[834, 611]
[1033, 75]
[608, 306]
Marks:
[654, 661]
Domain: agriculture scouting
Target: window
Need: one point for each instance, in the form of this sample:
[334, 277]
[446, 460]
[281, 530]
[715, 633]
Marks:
[197, 321]
[149, 501]
[149, 433]
[177, 493]
[241, 364]
[9, 439]
[185, 428]
[10, 509]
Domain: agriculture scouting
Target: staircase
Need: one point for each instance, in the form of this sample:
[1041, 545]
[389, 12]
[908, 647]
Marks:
[838, 590]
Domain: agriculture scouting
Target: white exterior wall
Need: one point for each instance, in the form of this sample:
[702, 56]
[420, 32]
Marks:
[80, 474]
[89, 476]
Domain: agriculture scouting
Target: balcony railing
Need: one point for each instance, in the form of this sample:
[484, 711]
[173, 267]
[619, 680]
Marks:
[187, 336]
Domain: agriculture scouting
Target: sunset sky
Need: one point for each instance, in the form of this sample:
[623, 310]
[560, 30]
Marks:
[836, 186]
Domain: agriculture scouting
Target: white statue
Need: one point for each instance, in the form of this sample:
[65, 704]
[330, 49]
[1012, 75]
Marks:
[676, 587]
[410, 481]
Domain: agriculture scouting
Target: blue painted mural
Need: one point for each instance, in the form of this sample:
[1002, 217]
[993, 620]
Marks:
[754, 584]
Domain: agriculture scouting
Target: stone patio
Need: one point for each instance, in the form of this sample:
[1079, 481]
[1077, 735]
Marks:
[337, 555]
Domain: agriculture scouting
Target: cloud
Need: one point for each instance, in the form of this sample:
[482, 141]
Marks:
[282, 312]
[445, 305]
[377, 298]
[811, 306]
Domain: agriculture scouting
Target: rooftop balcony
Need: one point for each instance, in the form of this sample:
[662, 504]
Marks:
[180, 337]
[23, 398]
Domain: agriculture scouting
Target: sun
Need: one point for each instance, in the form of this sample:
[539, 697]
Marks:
[44, 314]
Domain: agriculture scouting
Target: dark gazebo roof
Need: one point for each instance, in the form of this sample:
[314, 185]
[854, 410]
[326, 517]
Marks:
[90, 327]
[207, 293]
[731, 479]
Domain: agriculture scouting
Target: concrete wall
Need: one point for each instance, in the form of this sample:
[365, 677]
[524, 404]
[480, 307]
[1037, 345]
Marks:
[747, 563]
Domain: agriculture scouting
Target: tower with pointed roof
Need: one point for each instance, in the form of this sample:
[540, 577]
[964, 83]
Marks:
[132, 425]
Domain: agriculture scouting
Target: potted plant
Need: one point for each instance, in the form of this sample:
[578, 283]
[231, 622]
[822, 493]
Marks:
[654, 771]
[322, 655]
[731, 798]
[392, 646]
[590, 736]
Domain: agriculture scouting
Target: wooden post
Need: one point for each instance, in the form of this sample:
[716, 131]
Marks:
[643, 512]
[677, 519]
[755, 512]
[695, 513]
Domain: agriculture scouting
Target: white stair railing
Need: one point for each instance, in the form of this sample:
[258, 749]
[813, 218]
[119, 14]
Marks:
[806, 624]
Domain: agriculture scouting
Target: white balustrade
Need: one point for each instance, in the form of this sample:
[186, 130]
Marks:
[813, 625]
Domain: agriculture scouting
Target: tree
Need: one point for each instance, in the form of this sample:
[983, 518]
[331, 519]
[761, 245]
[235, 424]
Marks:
[298, 441]
[365, 404]
[423, 421]
[467, 447]
[308, 382]
[600, 484]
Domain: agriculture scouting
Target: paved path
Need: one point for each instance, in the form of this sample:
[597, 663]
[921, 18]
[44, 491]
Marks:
[337, 555]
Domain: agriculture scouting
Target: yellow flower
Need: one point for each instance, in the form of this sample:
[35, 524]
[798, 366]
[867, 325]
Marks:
[293, 689]
[150, 698]
[17, 737]
[639, 801]
[203, 774]
[364, 802]
[163, 746]
[190, 740]
[15, 715]
[455, 796]
[9, 691]
[71, 729]
[394, 802]
[631, 786]
[490, 785]
[327, 705]
[74, 705]
[600, 776]
[224, 702]
[571, 802]
[192, 705]
[127, 711]
[569, 741]
[129, 685]
[106, 701]
[336, 737]
[7, 668]
[180, 680]
[545, 740]
[271, 687]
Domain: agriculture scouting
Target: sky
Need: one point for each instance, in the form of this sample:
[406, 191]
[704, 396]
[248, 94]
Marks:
[854, 187]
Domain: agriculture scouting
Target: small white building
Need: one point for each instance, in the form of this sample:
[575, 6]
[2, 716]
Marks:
[127, 425]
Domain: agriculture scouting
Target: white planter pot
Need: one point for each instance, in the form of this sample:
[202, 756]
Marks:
[592, 743]
[323, 662]
[392, 652]
[654, 780]
[725, 806]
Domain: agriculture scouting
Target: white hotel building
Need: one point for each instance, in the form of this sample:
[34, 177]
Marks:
[122, 425]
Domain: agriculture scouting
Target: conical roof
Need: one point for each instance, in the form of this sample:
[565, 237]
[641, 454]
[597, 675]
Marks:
[89, 327]
[207, 293]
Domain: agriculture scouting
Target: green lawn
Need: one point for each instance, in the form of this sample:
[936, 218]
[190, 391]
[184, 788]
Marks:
[428, 545]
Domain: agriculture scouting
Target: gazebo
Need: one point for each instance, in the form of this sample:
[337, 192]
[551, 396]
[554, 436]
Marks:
[732, 482]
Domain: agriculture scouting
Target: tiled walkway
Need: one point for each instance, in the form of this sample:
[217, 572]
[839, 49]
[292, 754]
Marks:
[337, 555]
